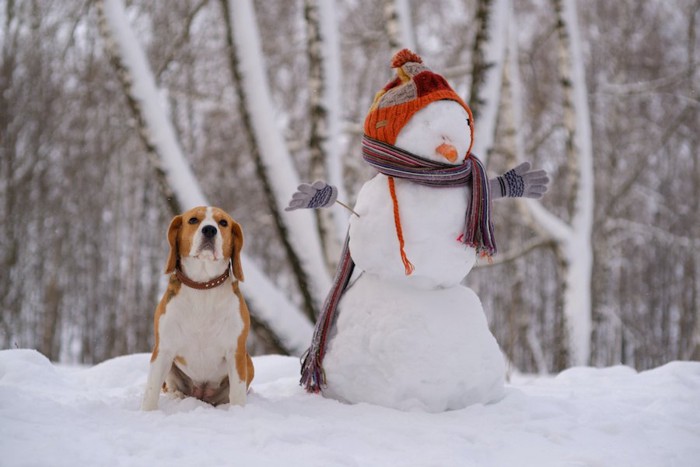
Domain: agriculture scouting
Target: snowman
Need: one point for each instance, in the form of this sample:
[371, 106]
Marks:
[398, 329]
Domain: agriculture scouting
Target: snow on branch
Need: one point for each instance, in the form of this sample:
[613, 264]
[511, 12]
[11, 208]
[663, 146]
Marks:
[487, 72]
[155, 128]
[298, 230]
[332, 70]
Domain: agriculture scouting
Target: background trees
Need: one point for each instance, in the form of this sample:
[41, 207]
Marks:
[81, 242]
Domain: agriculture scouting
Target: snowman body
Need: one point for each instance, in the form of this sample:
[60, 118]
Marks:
[432, 221]
[419, 341]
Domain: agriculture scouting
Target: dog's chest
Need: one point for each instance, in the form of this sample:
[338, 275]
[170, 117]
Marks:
[200, 327]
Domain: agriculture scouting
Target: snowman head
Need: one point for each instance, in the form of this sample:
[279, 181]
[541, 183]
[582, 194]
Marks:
[417, 109]
[440, 132]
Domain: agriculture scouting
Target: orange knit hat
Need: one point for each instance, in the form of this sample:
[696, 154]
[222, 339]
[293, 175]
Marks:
[414, 88]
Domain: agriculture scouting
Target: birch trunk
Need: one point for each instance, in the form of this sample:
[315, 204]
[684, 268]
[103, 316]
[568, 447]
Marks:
[274, 166]
[335, 142]
[573, 239]
[488, 58]
[155, 129]
[510, 120]
[398, 25]
[319, 119]
[290, 327]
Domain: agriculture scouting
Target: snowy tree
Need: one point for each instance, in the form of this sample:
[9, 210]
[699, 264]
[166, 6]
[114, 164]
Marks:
[275, 170]
[324, 106]
[82, 267]
[488, 58]
[398, 24]
[573, 239]
[267, 303]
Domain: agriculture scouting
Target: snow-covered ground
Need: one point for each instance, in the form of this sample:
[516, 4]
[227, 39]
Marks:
[54, 416]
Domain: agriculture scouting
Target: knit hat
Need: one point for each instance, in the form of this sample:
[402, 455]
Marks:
[414, 87]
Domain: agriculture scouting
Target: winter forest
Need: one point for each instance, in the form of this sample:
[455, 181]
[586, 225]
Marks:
[116, 115]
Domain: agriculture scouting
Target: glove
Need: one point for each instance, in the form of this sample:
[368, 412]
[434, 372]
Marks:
[520, 182]
[319, 194]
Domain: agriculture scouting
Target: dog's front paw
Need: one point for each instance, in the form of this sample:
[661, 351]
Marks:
[237, 395]
[149, 403]
[146, 407]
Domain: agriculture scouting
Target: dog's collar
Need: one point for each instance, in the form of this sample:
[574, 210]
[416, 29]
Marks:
[215, 282]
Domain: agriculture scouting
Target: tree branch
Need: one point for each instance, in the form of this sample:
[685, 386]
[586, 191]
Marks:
[510, 256]
[180, 39]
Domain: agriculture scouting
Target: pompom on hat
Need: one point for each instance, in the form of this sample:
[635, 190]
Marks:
[414, 87]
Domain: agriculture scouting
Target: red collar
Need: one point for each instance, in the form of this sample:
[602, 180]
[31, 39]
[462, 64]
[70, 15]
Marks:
[215, 282]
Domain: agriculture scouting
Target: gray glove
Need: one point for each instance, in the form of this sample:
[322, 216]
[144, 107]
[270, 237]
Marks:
[520, 182]
[319, 194]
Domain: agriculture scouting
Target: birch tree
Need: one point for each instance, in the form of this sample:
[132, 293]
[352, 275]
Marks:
[267, 304]
[324, 103]
[276, 172]
[488, 58]
[399, 28]
[573, 242]
[81, 270]
[332, 91]
[510, 118]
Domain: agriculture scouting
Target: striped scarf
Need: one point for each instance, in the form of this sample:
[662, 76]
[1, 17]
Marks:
[397, 163]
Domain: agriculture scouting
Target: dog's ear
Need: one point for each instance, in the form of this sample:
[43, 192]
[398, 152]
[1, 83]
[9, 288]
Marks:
[237, 246]
[173, 232]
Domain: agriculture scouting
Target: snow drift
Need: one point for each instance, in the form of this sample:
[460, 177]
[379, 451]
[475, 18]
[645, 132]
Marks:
[67, 416]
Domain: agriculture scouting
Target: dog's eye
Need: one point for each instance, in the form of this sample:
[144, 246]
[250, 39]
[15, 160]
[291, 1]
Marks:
[193, 220]
[223, 223]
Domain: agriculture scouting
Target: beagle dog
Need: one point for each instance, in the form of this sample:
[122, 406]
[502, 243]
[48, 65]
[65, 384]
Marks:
[202, 321]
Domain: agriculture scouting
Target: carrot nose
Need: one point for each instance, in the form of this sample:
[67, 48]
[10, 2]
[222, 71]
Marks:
[447, 151]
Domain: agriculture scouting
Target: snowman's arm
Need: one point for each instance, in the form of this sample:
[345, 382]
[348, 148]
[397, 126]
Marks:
[520, 182]
[318, 194]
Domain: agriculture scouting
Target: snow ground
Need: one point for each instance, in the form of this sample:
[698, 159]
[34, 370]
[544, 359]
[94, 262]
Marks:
[54, 416]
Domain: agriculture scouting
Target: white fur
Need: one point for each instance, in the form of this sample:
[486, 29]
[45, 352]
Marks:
[203, 326]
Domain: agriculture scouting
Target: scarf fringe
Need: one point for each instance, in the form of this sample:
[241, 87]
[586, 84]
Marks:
[312, 374]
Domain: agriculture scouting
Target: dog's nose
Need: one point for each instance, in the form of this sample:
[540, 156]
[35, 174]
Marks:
[209, 231]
